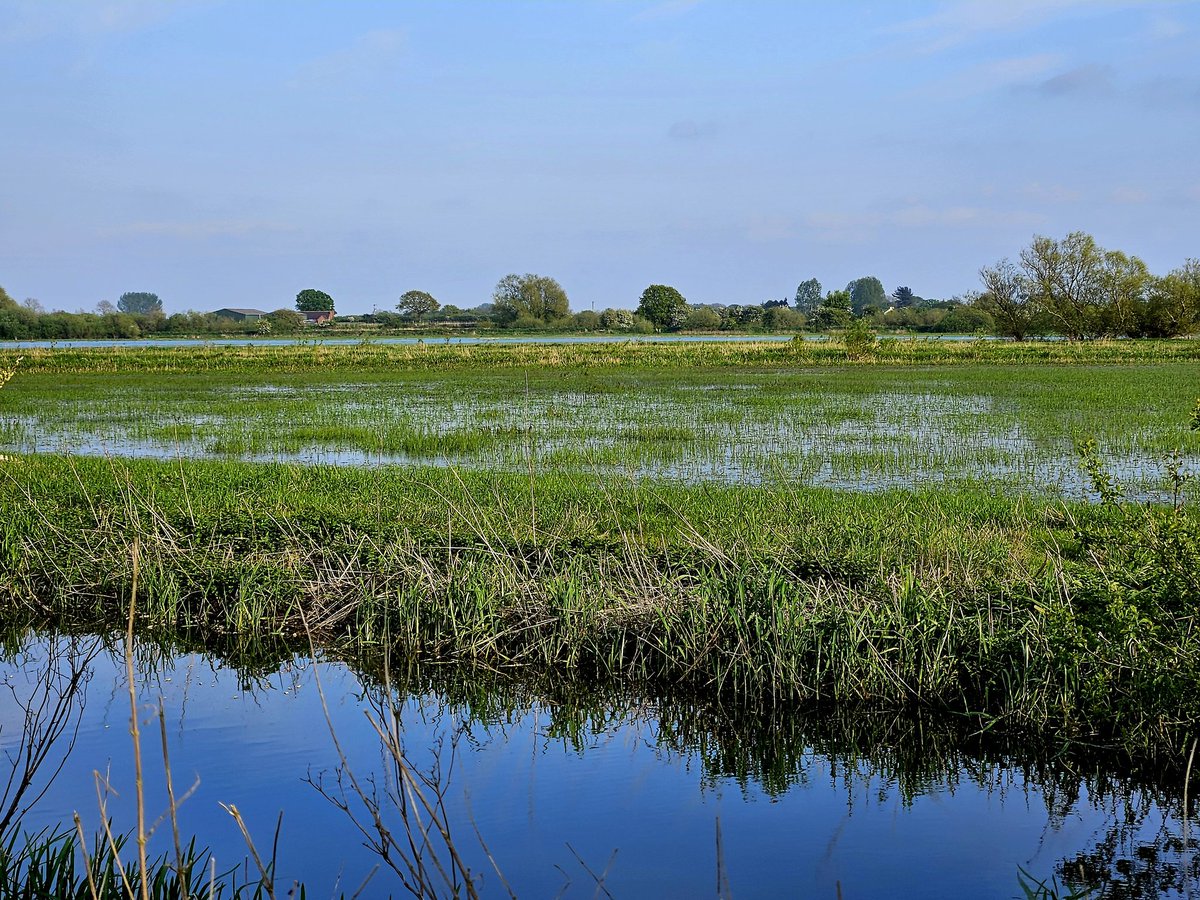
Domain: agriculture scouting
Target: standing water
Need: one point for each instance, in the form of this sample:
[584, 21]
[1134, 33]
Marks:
[587, 790]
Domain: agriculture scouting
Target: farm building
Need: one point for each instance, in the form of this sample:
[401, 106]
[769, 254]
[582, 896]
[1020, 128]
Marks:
[240, 315]
[318, 316]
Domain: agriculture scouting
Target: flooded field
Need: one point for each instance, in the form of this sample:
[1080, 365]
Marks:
[860, 430]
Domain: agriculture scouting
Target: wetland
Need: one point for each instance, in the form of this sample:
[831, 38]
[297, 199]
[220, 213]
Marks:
[759, 617]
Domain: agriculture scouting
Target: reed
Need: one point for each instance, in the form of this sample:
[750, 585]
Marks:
[1020, 613]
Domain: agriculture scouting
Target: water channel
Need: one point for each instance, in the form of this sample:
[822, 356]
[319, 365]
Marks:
[653, 796]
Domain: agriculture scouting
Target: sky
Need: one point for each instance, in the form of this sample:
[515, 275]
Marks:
[233, 153]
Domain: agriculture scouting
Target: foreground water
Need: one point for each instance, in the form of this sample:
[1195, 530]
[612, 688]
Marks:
[655, 798]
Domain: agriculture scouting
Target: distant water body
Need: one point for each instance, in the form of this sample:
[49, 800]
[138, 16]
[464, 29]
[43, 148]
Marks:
[522, 339]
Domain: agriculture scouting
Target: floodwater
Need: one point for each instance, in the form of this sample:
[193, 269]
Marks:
[655, 797]
[454, 339]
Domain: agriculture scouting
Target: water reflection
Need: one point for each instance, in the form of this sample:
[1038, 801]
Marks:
[556, 776]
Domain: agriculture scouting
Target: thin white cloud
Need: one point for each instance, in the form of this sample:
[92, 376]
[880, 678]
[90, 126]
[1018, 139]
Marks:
[1092, 79]
[963, 21]
[766, 229]
[691, 130]
[1055, 194]
[365, 54]
[1129, 196]
[33, 20]
[666, 9]
[1165, 28]
[989, 76]
[200, 229]
[917, 215]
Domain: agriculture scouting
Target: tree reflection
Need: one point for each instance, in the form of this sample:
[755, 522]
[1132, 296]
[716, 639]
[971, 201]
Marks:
[45, 685]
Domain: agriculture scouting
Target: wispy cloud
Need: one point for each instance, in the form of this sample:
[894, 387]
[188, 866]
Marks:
[1092, 79]
[767, 229]
[32, 20]
[1165, 28]
[988, 76]
[916, 215]
[1096, 81]
[666, 9]
[198, 229]
[691, 130]
[1055, 194]
[366, 54]
[962, 21]
[1129, 196]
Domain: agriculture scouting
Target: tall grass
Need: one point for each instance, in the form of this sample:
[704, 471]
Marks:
[1001, 609]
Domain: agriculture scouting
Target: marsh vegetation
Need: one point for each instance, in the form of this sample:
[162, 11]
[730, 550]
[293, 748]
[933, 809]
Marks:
[999, 536]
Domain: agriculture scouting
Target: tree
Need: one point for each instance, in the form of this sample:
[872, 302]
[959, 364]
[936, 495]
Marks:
[1085, 291]
[417, 304]
[1173, 305]
[587, 320]
[528, 296]
[1007, 297]
[866, 292]
[808, 296]
[737, 316]
[966, 320]
[702, 318]
[139, 303]
[903, 296]
[663, 306]
[284, 321]
[617, 319]
[783, 318]
[834, 311]
[312, 300]
[859, 339]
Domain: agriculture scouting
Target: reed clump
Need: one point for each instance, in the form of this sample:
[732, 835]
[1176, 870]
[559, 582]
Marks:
[997, 608]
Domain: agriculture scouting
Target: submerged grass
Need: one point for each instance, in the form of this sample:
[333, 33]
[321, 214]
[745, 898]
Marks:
[679, 412]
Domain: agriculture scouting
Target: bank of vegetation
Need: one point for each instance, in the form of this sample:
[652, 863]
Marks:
[1077, 618]
[1071, 288]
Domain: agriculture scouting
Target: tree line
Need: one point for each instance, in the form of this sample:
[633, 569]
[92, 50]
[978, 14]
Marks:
[1076, 288]
[1070, 287]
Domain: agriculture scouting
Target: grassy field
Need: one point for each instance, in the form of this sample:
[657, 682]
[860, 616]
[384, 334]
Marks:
[581, 518]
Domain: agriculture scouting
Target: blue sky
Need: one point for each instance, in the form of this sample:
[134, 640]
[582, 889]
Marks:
[233, 153]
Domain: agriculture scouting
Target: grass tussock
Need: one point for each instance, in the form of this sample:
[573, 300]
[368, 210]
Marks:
[1020, 614]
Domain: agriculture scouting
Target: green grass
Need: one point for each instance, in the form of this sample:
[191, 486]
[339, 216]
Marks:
[1021, 613]
[52, 865]
[675, 515]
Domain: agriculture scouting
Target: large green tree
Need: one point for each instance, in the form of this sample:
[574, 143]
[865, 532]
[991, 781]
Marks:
[535, 298]
[417, 304]
[139, 302]
[834, 311]
[867, 293]
[808, 295]
[312, 300]
[903, 296]
[663, 306]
